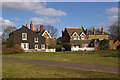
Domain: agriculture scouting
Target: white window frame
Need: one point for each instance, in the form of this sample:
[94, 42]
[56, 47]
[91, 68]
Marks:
[25, 36]
[35, 46]
[85, 45]
[27, 46]
[82, 37]
[42, 46]
[35, 40]
[75, 38]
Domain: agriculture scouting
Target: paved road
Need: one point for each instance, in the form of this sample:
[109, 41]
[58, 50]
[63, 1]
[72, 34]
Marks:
[79, 66]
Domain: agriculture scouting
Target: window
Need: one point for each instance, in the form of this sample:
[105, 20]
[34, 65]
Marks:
[82, 37]
[36, 46]
[75, 37]
[36, 40]
[25, 45]
[96, 45]
[24, 36]
[85, 45]
[42, 46]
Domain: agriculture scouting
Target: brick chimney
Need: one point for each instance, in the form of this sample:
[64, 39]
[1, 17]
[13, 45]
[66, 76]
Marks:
[99, 29]
[87, 32]
[102, 31]
[41, 28]
[31, 26]
[26, 25]
[94, 30]
[37, 29]
[23, 25]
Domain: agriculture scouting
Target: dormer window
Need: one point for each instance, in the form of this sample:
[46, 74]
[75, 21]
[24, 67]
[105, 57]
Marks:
[36, 40]
[82, 37]
[24, 36]
[75, 37]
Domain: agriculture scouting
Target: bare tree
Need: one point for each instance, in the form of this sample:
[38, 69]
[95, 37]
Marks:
[51, 29]
[114, 31]
[7, 31]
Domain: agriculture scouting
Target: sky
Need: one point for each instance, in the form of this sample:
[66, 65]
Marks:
[60, 14]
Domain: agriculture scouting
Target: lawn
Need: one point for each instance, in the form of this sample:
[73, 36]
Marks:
[104, 57]
[12, 69]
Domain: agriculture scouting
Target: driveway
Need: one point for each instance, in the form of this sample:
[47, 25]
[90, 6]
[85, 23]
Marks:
[79, 66]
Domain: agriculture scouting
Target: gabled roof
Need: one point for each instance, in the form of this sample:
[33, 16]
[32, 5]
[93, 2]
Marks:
[72, 30]
[40, 32]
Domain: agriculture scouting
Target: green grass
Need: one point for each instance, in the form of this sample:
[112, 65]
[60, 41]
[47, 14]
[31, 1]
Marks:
[108, 57]
[12, 69]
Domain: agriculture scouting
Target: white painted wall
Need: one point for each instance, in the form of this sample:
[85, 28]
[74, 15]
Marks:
[50, 50]
[83, 49]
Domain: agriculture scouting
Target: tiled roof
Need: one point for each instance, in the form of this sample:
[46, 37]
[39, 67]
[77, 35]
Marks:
[79, 30]
[78, 42]
[40, 32]
[72, 30]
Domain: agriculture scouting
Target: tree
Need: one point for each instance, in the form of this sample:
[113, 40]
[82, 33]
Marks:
[59, 40]
[52, 43]
[51, 29]
[114, 31]
[67, 46]
[6, 32]
[104, 44]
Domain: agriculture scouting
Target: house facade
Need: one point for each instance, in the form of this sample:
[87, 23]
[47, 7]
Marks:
[81, 39]
[31, 40]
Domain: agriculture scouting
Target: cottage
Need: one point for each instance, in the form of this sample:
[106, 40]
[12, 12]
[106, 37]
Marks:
[31, 40]
[82, 39]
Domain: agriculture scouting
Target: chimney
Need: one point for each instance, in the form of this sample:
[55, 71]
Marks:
[31, 26]
[41, 28]
[26, 25]
[37, 29]
[102, 31]
[23, 25]
[87, 32]
[94, 30]
[99, 29]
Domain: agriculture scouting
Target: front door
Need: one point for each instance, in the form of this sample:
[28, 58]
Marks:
[25, 46]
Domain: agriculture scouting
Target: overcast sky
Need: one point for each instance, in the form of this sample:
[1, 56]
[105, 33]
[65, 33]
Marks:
[60, 14]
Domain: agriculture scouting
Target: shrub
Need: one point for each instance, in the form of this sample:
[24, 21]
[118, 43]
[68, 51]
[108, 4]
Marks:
[104, 44]
[9, 43]
[58, 47]
[67, 46]
[14, 50]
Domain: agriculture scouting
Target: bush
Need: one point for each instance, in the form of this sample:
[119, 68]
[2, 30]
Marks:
[58, 47]
[67, 46]
[104, 44]
[9, 43]
[14, 50]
